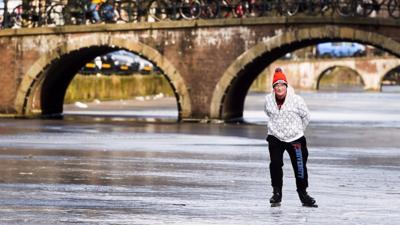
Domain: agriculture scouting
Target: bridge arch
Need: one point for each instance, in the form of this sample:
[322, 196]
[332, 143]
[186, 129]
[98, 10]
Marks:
[229, 94]
[321, 72]
[67, 59]
[387, 72]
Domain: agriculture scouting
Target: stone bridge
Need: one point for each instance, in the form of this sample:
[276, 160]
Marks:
[306, 74]
[210, 64]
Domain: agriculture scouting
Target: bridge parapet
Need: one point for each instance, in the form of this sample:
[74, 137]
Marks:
[52, 13]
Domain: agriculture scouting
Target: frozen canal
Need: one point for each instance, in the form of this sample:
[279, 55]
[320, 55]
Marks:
[121, 172]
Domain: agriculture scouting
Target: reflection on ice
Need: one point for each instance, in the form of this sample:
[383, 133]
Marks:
[131, 142]
[142, 113]
[148, 108]
[117, 176]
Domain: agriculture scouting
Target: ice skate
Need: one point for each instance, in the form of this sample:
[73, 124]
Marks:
[307, 200]
[276, 198]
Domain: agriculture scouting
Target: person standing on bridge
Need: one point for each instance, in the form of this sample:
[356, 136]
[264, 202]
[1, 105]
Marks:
[94, 9]
[288, 117]
[106, 6]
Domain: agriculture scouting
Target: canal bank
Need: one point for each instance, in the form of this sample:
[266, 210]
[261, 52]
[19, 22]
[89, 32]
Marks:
[87, 88]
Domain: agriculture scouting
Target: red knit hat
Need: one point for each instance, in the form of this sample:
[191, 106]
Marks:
[279, 77]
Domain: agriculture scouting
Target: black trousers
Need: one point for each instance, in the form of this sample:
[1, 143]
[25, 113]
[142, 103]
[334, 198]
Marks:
[298, 156]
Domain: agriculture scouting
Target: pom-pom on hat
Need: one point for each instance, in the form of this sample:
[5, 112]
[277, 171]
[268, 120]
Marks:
[279, 77]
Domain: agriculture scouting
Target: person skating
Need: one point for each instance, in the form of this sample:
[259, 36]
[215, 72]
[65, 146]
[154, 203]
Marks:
[288, 117]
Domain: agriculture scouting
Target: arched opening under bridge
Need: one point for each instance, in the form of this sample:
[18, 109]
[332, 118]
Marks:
[121, 84]
[48, 80]
[391, 81]
[230, 93]
[340, 79]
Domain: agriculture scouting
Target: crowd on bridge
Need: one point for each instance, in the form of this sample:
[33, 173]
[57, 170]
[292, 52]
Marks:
[33, 13]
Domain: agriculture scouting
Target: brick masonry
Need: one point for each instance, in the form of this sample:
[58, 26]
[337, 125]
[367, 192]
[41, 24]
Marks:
[210, 64]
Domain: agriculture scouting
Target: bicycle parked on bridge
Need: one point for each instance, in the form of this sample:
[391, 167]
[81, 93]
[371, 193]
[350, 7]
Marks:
[308, 7]
[394, 8]
[79, 12]
[181, 9]
[60, 12]
[176, 9]
[157, 10]
[362, 8]
[249, 8]
[205, 9]
[367, 7]
[25, 15]
[354, 7]
[236, 8]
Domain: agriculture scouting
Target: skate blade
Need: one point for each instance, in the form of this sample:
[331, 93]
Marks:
[275, 204]
[311, 206]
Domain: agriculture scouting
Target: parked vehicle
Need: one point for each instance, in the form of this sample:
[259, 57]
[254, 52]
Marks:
[110, 64]
[146, 69]
[340, 49]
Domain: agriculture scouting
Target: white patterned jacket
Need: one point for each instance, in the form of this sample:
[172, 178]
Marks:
[288, 123]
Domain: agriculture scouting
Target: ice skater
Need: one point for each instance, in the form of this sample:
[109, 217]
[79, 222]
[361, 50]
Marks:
[288, 117]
